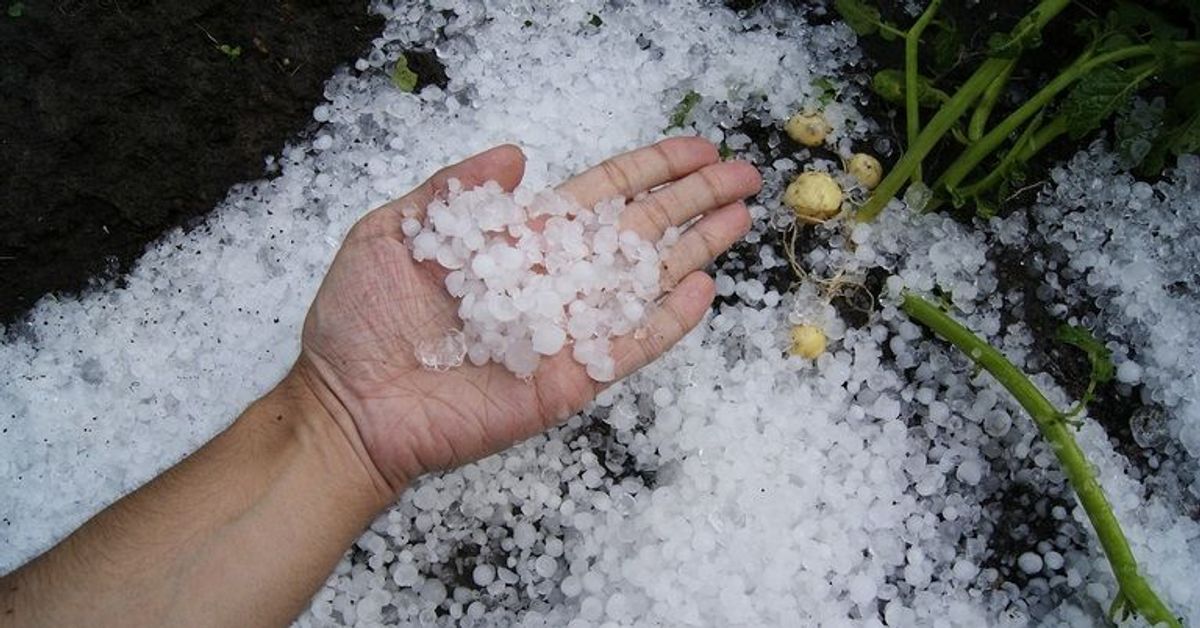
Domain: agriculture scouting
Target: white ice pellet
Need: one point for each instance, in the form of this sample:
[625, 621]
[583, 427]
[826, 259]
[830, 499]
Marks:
[545, 566]
[1129, 372]
[483, 575]
[1030, 562]
[970, 471]
[520, 300]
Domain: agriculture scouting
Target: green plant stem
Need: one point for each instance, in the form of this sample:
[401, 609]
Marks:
[973, 155]
[1021, 152]
[987, 102]
[912, 74]
[947, 116]
[892, 30]
[1026, 147]
[938, 126]
[1133, 588]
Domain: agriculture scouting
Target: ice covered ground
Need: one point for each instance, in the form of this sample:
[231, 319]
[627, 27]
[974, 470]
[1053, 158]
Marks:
[727, 485]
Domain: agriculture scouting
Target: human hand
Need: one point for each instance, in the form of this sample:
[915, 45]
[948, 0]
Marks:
[377, 304]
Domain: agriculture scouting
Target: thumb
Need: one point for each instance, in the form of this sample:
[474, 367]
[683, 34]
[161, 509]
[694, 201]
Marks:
[504, 164]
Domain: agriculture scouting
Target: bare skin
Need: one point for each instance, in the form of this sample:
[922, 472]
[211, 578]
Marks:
[243, 531]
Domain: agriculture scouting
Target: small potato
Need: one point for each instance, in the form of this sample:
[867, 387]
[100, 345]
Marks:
[808, 129]
[808, 341]
[865, 169]
[814, 196]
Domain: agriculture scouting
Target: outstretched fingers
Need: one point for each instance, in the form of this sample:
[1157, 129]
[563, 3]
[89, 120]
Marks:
[711, 236]
[705, 190]
[641, 170]
[681, 310]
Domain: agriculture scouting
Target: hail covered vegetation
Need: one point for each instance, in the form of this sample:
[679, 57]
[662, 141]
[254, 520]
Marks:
[857, 473]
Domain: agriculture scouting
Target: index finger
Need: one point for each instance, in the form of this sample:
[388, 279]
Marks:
[641, 170]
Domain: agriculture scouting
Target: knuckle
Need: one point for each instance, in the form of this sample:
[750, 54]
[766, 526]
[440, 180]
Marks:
[713, 185]
[678, 320]
[617, 175]
[668, 159]
[657, 212]
[650, 346]
[713, 244]
[670, 274]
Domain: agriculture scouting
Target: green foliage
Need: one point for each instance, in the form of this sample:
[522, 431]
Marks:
[1097, 96]
[1127, 49]
[1136, 130]
[864, 19]
[1184, 136]
[16, 9]
[889, 85]
[1098, 355]
[827, 91]
[595, 20]
[233, 52]
[1026, 36]
[861, 17]
[1138, 20]
[1177, 132]
[403, 78]
[681, 112]
[948, 46]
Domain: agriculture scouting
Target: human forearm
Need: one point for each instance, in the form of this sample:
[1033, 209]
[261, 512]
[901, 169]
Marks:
[240, 533]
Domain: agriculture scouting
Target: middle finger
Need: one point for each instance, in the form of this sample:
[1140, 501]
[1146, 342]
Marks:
[700, 192]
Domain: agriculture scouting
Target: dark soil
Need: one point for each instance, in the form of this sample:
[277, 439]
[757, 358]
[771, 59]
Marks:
[122, 119]
[1068, 365]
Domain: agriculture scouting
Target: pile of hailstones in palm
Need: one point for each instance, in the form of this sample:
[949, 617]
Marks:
[532, 271]
[662, 503]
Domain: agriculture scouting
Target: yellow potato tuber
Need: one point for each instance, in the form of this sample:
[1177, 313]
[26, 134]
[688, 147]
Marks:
[808, 129]
[814, 196]
[865, 169]
[808, 341]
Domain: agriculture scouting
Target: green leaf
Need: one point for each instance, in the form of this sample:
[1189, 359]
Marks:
[863, 18]
[889, 84]
[1183, 136]
[724, 151]
[948, 45]
[16, 9]
[403, 78]
[1180, 130]
[1095, 97]
[680, 114]
[1136, 20]
[1186, 136]
[1113, 41]
[595, 20]
[827, 90]
[986, 208]
[1024, 36]
[1137, 130]
[1098, 354]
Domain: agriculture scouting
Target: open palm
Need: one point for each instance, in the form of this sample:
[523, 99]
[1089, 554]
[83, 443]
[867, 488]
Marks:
[377, 304]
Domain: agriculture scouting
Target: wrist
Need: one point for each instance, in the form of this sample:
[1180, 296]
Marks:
[326, 433]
